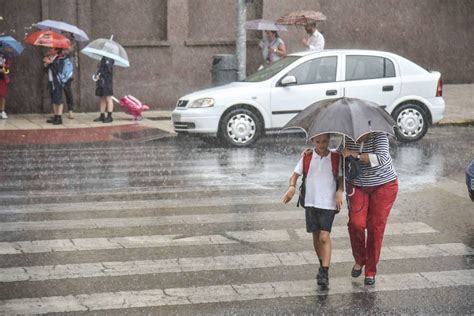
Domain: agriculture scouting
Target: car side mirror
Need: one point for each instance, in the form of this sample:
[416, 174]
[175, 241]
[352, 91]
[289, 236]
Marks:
[288, 80]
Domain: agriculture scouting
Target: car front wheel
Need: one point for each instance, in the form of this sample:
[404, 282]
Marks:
[240, 128]
[412, 122]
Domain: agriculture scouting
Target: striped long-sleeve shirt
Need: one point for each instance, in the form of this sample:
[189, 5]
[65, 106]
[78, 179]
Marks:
[380, 170]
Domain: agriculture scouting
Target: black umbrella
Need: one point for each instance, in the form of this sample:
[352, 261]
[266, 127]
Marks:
[347, 116]
[350, 117]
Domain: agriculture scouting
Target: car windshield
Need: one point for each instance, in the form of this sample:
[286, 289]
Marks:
[271, 70]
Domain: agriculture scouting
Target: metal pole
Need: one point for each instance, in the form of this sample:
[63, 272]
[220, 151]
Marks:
[241, 45]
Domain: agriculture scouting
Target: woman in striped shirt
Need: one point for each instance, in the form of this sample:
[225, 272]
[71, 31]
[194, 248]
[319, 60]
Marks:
[371, 197]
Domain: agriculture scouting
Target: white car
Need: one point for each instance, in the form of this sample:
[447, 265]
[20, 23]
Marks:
[239, 112]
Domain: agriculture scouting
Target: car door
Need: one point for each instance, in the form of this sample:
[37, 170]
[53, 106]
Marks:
[373, 78]
[315, 81]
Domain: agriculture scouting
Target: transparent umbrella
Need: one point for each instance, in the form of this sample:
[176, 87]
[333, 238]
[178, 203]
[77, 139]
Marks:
[103, 47]
[264, 25]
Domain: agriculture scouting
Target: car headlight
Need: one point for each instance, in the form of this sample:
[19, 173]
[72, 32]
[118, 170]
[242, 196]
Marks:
[202, 103]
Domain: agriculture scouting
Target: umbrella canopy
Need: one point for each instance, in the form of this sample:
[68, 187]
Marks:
[347, 116]
[107, 48]
[58, 26]
[48, 39]
[301, 18]
[263, 25]
[9, 44]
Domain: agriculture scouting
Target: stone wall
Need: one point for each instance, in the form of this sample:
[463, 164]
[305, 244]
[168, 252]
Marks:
[170, 43]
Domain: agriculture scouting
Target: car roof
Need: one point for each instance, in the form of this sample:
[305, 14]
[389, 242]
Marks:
[350, 51]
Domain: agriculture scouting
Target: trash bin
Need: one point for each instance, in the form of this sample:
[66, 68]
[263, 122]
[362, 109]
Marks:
[224, 69]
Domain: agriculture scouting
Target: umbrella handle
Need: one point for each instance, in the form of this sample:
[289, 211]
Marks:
[95, 77]
[115, 99]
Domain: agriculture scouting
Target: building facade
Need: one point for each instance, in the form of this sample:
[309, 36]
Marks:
[170, 43]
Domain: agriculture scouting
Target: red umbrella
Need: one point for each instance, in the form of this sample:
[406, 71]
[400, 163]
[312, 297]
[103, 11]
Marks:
[49, 39]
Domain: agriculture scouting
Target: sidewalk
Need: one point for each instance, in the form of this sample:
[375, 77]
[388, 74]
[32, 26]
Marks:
[33, 129]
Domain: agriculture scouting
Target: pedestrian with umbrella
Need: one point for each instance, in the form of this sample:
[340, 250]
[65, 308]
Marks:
[54, 66]
[309, 19]
[373, 188]
[272, 46]
[73, 33]
[8, 48]
[109, 53]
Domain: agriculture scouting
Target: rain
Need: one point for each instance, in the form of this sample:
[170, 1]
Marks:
[139, 217]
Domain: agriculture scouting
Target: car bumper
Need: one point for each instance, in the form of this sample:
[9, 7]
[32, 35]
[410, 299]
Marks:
[202, 120]
[437, 108]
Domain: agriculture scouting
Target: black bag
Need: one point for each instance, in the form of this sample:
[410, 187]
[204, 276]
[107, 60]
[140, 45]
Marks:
[353, 168]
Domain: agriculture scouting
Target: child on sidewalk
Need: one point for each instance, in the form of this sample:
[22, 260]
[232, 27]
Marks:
[322, 176]
[4, 80]
[53, 64]
[105, 89]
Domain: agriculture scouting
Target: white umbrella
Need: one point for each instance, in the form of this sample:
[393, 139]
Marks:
[263, 25]
[103, 47]
[58, 26]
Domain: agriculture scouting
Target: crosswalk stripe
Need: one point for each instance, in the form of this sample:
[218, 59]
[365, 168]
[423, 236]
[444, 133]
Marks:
[232, 293]
[152, 241]
[219, 263]
[117, 222]
[137, 205]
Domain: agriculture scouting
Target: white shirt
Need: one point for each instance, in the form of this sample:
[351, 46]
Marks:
[316, 42]
[320, 182]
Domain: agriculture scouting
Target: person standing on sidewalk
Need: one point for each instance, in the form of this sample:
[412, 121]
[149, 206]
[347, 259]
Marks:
[69, 59]
[53, 64]
[5, 65]
[105, 89]
[315, 41]
[371, 197]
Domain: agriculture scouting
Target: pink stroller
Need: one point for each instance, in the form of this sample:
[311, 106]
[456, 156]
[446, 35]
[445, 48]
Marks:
[132, 106]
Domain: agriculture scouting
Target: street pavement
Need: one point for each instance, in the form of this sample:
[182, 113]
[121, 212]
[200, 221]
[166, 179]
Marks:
[176, 226]
[33, 129]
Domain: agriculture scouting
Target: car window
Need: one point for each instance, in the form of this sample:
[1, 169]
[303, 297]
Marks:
[317, 70]
[271, 70]
[368, 67]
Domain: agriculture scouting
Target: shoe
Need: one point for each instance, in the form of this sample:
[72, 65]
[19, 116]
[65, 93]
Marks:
[101, 118]
[369, 280]
[323, 278]
[318, 276]
[356, 273]
[58, 120]
[50, 120]
[108, 119]
[4, 115]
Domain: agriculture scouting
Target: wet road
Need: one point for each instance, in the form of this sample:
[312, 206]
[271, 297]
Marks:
[178, 226]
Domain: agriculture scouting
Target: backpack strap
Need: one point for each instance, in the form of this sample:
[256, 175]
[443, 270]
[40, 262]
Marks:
[335, 163]
[306, 161]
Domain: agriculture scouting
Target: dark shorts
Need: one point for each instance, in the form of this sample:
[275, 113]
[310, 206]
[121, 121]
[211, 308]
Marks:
[319, 219]
[56, 94]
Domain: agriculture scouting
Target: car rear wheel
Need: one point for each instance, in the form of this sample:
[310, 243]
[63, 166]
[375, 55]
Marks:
[412, 122]
[240, 128]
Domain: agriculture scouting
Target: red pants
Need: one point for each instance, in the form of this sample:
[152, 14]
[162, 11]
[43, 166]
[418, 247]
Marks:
[369, 209]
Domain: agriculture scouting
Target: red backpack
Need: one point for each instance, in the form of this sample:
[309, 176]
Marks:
[306, 162]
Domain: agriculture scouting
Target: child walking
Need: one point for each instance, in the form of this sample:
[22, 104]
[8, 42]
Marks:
[4, 80]
[321, 196]
[105, 89]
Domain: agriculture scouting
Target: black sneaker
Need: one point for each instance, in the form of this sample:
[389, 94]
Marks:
[323, 278]
[108, 119]
[50, 120]
[101, 118]
[369, 280]
[318, 276]
[356, 273]
[58, 120]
